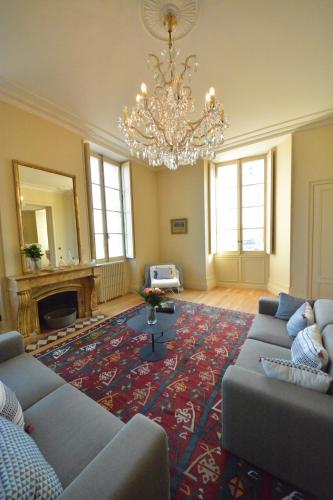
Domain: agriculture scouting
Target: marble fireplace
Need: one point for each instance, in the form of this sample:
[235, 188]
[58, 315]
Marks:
[31, 293]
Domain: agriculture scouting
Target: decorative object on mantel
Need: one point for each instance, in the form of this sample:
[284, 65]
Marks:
[153, 298]
[34, 254]
[159, 128]
[178, 226]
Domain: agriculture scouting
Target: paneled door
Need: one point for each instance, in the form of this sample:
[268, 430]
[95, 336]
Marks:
[321, 275]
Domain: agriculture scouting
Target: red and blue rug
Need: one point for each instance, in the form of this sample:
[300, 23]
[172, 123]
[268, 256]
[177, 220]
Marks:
[181, 392]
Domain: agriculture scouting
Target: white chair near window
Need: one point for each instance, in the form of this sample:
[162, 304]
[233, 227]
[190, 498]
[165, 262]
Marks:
[165, 276]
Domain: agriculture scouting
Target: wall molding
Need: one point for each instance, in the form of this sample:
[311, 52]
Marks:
[18, 96]
[319, 118]
[241, 284]
[14, 94]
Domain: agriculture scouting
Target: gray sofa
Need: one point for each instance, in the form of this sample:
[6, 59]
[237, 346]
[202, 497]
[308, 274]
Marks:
[95, 455]
[282, 428]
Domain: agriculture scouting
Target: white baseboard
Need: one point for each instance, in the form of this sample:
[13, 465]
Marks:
[196, 285]
[276, 288]
[238, 284]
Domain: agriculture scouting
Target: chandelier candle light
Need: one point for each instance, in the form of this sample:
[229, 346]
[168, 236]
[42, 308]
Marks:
[158, 128]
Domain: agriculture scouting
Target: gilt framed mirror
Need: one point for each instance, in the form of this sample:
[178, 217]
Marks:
[47, 215]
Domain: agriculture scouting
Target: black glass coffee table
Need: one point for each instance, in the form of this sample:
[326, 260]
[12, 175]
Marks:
[160, 333]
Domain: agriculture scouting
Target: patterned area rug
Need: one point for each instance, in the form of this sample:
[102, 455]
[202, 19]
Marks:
[181, 392]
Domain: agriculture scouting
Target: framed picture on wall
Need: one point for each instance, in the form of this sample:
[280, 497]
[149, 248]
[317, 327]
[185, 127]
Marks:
[178, 226]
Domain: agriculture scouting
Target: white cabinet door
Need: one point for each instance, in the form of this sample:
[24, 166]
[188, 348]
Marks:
[322, 241]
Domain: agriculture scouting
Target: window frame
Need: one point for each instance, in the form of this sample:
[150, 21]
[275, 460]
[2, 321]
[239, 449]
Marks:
[101, 159]
[239, 162]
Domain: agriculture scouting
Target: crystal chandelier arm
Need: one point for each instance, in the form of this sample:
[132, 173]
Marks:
[186, 65]
[157, 66]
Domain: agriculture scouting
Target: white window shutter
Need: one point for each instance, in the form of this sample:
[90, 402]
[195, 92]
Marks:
[270, 202]
[212, 207]
[127, 209]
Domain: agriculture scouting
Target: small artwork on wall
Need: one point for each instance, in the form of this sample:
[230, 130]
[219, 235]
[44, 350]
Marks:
[178, 226]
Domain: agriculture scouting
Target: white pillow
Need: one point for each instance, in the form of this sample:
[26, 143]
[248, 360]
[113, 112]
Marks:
[308, 348]
[295, 373]
[10, 407]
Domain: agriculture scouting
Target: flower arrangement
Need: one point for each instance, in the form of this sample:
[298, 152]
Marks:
[153, 296]
[34, 251]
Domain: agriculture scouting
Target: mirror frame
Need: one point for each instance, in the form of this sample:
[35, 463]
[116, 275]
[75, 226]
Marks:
[16, 164]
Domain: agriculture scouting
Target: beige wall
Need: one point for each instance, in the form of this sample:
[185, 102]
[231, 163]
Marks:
[26, 137]
[279, 261]
[312, 161]
[181, 194]
[146, 229]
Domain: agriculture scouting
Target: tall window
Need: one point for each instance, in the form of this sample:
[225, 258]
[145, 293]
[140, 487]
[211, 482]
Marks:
[111, 209]
[240, 206]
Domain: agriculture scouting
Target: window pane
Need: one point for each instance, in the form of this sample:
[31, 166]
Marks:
[253, 217]
[253, 240]
[111, 175]
[98, 221]
[94, 170]
[228, 175]
[115, 245]
[96, 196]
[112, 199]
[228, 240]
[227, 208]
[99, 246]
[229, 218]
[113, 220]
[253, 196]
[253, 172]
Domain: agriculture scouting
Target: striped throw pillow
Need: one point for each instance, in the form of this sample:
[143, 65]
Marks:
[308, 348]
[10, 407]
[295, 373]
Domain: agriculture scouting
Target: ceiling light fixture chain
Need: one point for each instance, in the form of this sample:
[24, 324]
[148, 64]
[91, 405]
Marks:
[158, 129]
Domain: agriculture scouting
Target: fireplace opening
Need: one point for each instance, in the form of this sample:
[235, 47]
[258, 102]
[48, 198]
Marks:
[59, 308]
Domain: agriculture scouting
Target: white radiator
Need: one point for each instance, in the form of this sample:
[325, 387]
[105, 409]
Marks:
[112, 281]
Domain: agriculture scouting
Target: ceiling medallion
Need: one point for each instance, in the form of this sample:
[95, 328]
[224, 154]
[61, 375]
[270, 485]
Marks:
[159, 129]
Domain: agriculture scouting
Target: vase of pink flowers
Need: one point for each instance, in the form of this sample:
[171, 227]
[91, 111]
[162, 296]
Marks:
[153, 298]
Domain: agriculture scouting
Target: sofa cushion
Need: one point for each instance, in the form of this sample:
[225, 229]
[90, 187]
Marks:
[302, 318]
[24, 472]
[323, 310]
[271, 330]
[288, 304]
[70, 429]
[29, 379]
[308, 348]
[296, 373]
[253, 350]
[163, 283]
[10, 407]
[327, 337]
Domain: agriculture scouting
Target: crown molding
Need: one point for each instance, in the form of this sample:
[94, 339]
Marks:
[318, 118]
[16, 95]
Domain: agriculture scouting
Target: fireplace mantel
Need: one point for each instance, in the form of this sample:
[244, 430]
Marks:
[26, 290]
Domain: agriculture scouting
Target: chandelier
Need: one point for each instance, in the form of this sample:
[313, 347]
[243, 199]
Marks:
[159, 128]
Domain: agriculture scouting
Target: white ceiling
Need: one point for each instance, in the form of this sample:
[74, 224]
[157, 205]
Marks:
[82, 60]
[43, 180]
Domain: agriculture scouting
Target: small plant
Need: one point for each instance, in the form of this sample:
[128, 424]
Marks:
[34, 251]
[153, 296]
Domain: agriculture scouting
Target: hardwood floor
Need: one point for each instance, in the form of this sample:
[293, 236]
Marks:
[240, 299]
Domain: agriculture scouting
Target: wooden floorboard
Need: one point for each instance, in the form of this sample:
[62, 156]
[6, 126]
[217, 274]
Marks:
[239, 299]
